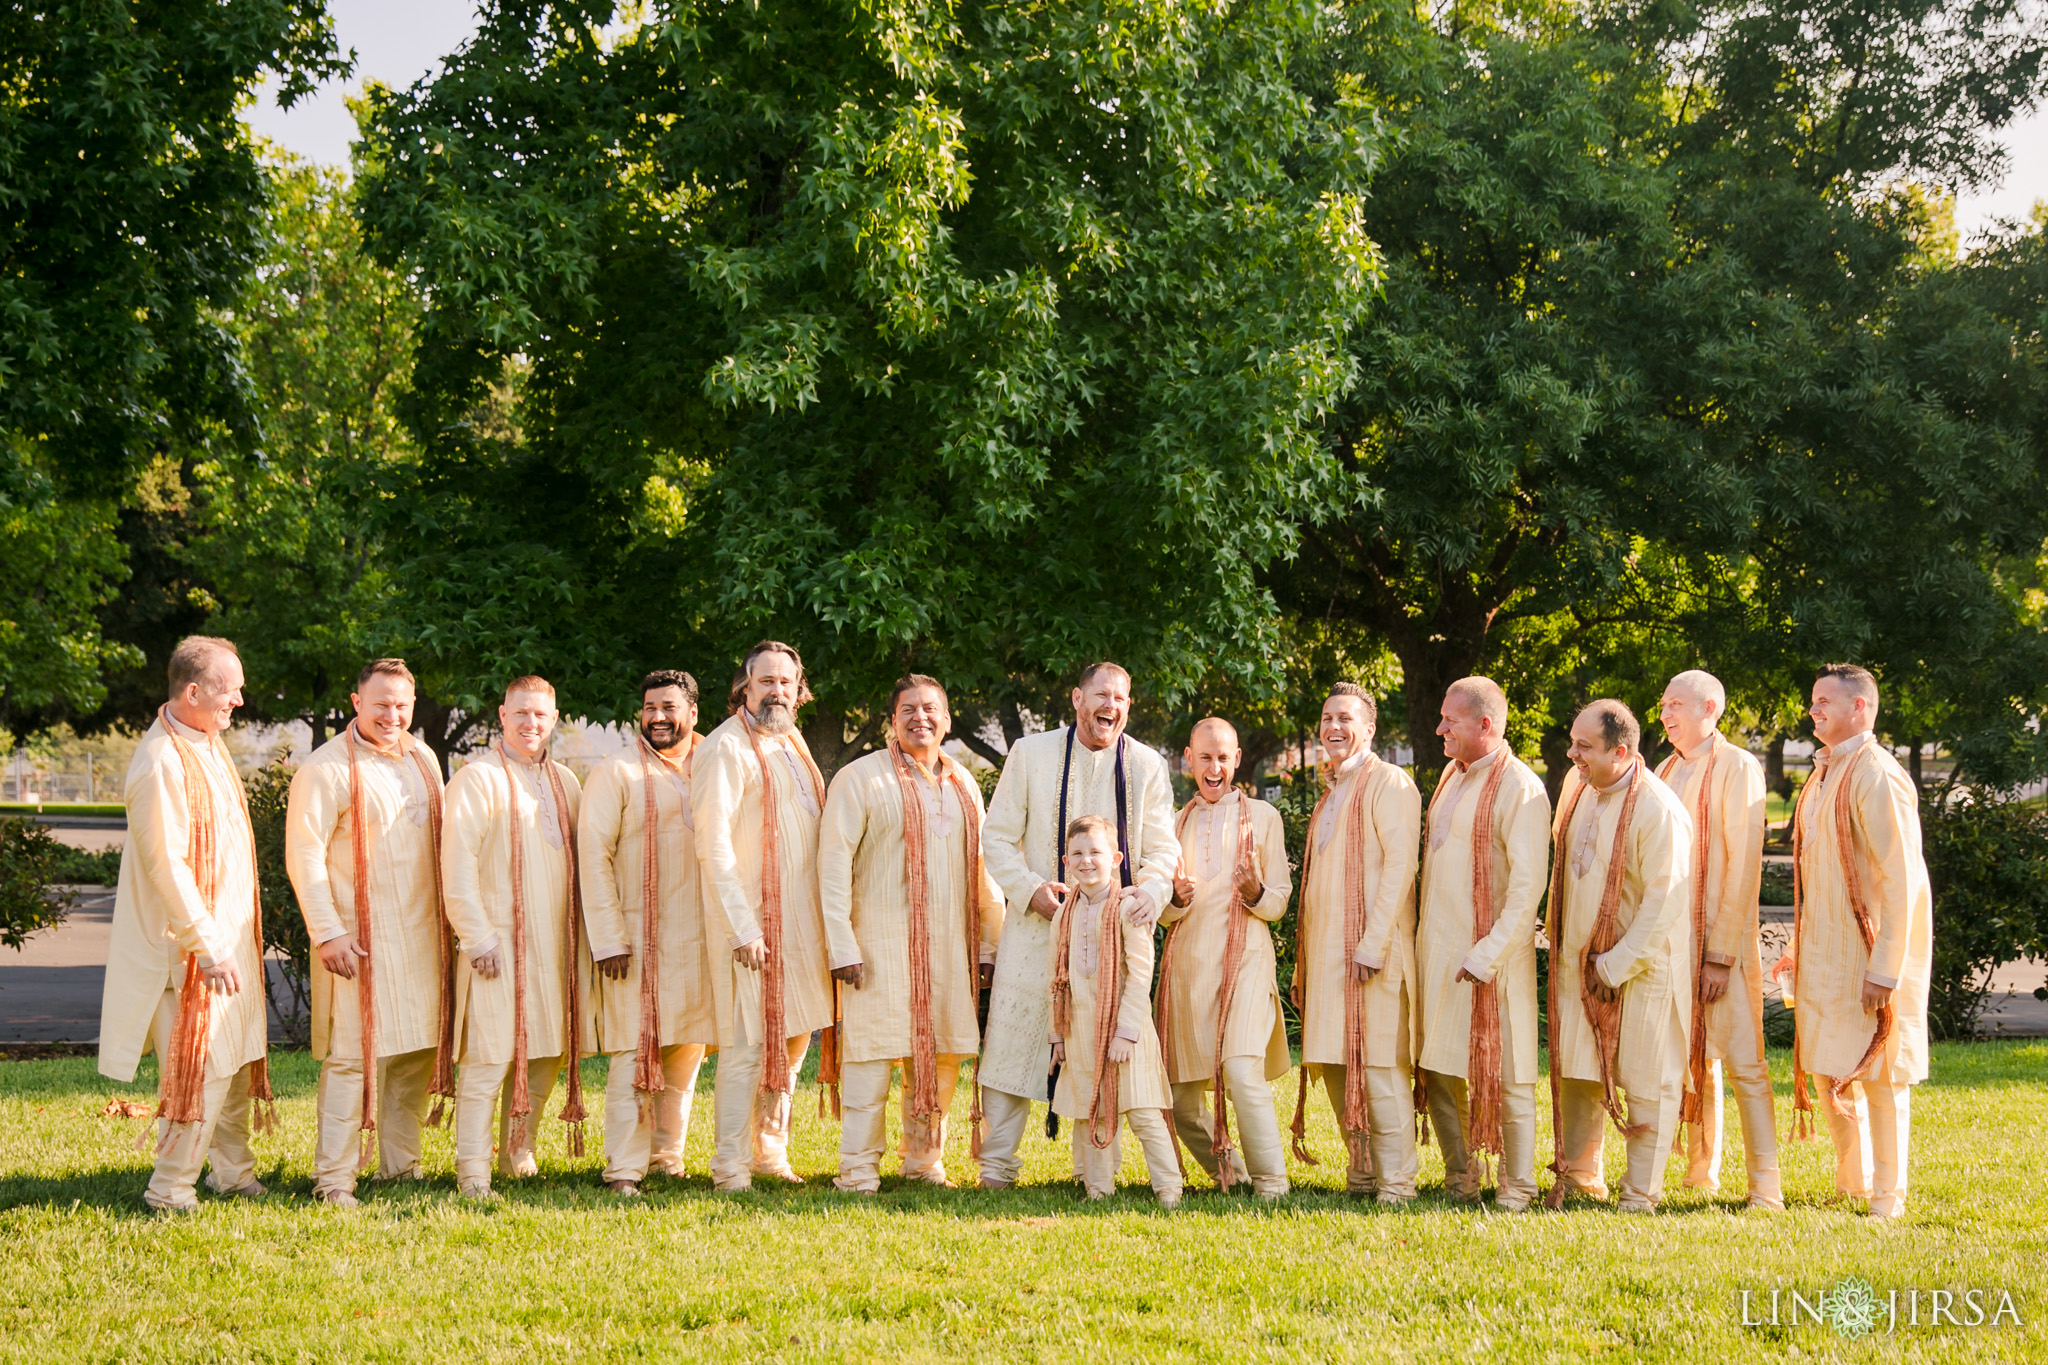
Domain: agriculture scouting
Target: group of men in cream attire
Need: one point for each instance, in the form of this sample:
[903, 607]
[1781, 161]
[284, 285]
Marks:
[701, 893]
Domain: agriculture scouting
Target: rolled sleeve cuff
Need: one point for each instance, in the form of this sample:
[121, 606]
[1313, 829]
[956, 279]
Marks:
[1718, 959]
[839, 963]
[605, 952]
[1481, 971]
[1600, 966]
[739, 941]
[988, 957]
[489, 945]
[326, 939]
[1128, 1035]
[1890, 983]
[1369, 961]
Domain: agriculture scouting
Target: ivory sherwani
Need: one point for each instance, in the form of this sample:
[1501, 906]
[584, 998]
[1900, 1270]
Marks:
[1389, 1021]
[159, 918]
[1519, 845]
[484, 816]
[611, 846]
[1833, 962]
[1733, 1026]
[726, 801]
[1254, 1036]
[399, 799]
[864, 885]
[1024, 844]
[1650, 964]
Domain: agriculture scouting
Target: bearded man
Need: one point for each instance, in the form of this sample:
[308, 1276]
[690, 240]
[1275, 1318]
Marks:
[756, 799]
[362, 844]
[654, 1012]
[1090, 767]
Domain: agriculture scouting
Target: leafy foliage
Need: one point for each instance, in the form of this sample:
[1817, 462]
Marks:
[1988, 861]
[284, 927]
[29, 860]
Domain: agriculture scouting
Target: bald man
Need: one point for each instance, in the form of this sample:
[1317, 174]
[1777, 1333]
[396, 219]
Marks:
[1218, 1007]
[1721, 785]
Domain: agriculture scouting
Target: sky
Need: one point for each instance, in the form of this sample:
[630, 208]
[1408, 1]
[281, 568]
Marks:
[398, 41]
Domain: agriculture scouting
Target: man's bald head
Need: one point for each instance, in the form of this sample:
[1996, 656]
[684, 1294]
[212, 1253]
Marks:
[1213, 729]
[1212, 756]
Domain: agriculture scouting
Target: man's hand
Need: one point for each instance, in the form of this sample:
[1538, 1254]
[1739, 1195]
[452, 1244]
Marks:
[1362, 973]
[1045, 901]
[1597, 983]
[1714, 980]
[1120, 1050]
[1183, 888]
[1465, 975]
[753, 956]
[1138, 907]
[1874, 995]
[987, 978]
[1249, 885]
[852, 975]
[1787, 963]
[486, 965]
[1294, 994]
[1059, 1052]
[222, 979]
[614, 968]
[338, 955]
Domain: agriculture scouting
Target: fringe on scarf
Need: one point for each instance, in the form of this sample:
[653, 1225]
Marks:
[1693, 1106]
[775, 1079]
[1483, 1057]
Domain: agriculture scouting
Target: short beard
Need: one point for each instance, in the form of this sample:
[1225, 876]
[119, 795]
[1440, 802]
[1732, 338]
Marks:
[661, 734]
[771, 717]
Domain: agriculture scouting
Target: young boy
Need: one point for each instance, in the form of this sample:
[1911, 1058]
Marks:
[1101, 961]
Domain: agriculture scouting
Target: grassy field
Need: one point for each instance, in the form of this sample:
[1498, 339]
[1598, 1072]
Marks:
[562, 1271]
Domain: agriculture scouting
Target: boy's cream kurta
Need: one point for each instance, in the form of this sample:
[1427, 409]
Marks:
[1023, 845]
[1141, 1081]
[1256, 1028]
[725, 800]
[1651, 963]
[158, 916]
[405, 903]
[865, 889]
[1393, 841]
[1834, 1030]
[611, 845]
[476, 878]
[1507, 955]
[1735, 857]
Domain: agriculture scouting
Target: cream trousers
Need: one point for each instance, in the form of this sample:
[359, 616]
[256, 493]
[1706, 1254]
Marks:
[1448, 1098]
[402, 1104]
[1870, 1145]
[220, 1138]
[484, 1088]
[636, 1136]
[1734, 1044]
[1393, 1160]
[753, 1128]
[1005, 1120]
[1099, 1165]
[1582, 1138]
[1260, 1160]
[864, 1122]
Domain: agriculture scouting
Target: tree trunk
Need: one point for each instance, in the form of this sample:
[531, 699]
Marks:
[1430, 663]
[831, 747]
[1774, 766]
[1913, 765]
[1555, 748]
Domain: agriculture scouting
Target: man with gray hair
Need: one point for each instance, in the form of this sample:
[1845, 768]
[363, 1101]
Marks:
[1722, 786]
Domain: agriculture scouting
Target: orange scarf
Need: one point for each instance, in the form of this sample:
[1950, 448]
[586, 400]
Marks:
[1353, 1120]
[647, 1077]
[775, 1078]
[182, 1098]
[1693, 1107]
[1483, 1059]
[1103, 1110]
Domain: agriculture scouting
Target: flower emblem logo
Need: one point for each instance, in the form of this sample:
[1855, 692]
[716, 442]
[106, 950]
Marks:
[1853, 1308]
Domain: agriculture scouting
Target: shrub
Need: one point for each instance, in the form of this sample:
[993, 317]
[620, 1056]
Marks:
[1776, 887]
[76, 867]
[1988, 861]
[284, 928]
[29, 854]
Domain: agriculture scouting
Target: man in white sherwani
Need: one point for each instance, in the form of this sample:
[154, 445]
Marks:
[910, 959]
[379, 939]
[641, 904]
[185, 936]
[1475, 946]
[1721, 786]
[522, 976]
[1087, 768]
[1862, 942]
[756, 789]
[1621, 960]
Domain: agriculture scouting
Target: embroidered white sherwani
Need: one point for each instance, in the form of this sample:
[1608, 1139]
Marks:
[611, 845]
[726, 800]
[158, 919]
[1871, 1145]
[1389, 1022]
[1735, 1023]
[1024, 845]
[1651, 964]
[1506, 956]
[865, 888]
[1255, 1036]
[482, 818]
[405, 945]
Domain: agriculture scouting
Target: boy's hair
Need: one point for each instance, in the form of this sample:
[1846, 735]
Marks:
[1090, 824]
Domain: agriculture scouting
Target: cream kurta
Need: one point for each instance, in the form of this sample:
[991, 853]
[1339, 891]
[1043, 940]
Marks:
[1735, 856]
[1507, 955]
[476, 877]
[1651, 963]
[1141, 1081]
[158, 916]
[865, 890]
[1024, 845]
[405, 906]
[1834, 1029]
[611, 846]
[1209, 857]
[1393, 840]
[725, 798]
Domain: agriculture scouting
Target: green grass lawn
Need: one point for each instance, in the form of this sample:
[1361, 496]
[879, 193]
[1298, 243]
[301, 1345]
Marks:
[560, 1270]
[62, 808]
